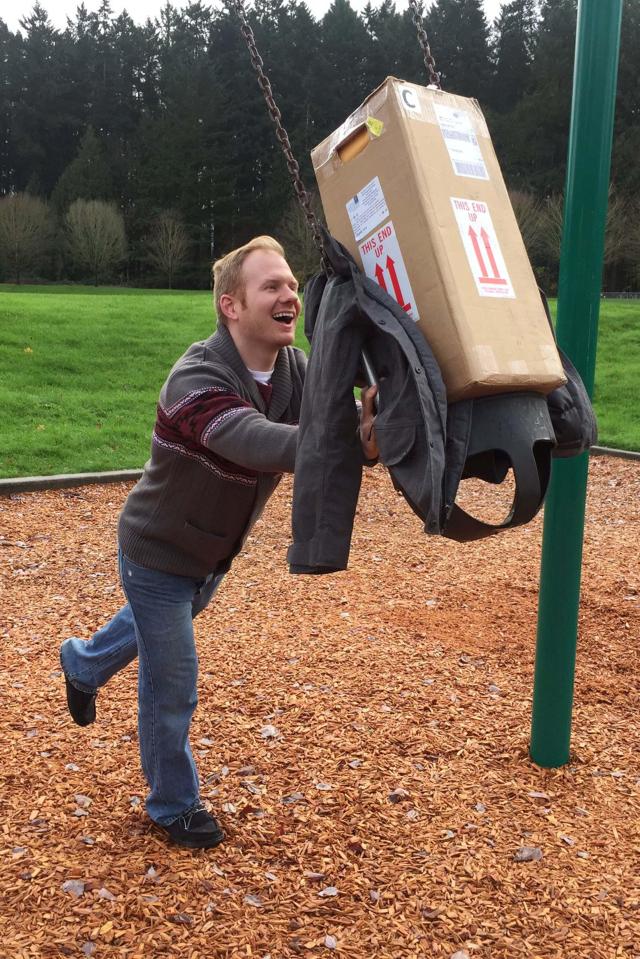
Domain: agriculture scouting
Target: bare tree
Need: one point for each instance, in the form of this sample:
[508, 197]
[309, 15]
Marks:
[552, 219]
[620, 223]
[25, 231]
[618, 228]
[634, 251]
[168, 245]
[297, 239]
[95, 236]
[530, 219]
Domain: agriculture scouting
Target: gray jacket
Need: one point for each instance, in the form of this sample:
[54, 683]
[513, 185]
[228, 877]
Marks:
[349, 313]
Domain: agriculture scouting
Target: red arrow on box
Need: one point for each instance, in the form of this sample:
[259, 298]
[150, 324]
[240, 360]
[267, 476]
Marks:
[486, 239]
[395, 282]
[476, 250]
[380, 277]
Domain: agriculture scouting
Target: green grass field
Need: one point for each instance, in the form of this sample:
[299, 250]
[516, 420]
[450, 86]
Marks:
[617, 387]
[81, 368]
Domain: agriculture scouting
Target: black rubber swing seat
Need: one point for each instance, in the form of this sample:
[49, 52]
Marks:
[508, 430]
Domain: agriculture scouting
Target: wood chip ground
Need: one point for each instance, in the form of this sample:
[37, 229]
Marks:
[363, 738]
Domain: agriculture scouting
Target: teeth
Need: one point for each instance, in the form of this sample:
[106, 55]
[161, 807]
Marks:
[283, 316]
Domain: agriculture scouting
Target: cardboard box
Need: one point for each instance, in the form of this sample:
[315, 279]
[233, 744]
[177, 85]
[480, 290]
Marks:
[410, 184]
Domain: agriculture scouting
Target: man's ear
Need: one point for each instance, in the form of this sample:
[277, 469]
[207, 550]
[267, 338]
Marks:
[229, 306]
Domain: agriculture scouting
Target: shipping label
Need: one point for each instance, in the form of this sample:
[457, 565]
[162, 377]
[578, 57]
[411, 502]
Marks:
[482, 248]
[461, 142]
[382, 260]
[367, 209]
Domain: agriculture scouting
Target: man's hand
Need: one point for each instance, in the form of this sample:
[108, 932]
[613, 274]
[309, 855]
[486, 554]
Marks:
[367, 423]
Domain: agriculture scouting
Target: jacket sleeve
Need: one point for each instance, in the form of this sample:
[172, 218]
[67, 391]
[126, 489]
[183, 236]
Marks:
[329, 455]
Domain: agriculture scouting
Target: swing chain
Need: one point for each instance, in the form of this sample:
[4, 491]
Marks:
[281, 134]
[429, 62]
[276, 117]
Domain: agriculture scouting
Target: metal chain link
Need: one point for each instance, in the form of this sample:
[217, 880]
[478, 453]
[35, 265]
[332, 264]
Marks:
[283, 138]
[429, 62]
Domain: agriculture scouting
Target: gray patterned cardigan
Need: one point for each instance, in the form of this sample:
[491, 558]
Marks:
[219, 447]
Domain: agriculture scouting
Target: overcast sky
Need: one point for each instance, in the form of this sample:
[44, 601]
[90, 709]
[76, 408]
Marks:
[14, 10]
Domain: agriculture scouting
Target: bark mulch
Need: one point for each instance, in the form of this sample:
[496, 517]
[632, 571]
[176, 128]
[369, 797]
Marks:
[363, 738]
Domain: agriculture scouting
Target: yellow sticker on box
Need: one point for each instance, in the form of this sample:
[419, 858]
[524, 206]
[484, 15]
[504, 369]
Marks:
[374, 126]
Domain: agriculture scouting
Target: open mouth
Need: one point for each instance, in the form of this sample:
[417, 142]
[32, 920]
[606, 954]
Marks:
[284, 317]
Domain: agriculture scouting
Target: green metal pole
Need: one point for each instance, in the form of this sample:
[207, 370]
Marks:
[586, 196]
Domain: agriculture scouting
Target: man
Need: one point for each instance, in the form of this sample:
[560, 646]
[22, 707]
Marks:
[225, 432]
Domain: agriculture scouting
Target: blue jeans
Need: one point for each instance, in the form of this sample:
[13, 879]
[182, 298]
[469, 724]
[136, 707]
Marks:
[157, 626]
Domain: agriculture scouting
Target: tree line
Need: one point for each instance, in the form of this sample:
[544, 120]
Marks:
[137, 153]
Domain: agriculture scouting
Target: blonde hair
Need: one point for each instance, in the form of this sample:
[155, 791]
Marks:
[227, 271]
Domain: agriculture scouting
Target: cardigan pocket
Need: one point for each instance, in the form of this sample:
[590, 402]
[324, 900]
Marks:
[209, 546]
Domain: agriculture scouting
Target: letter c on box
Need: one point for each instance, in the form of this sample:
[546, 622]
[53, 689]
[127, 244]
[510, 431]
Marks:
[409, 99]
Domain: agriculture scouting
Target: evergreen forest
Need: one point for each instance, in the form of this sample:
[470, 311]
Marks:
[136, 154]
